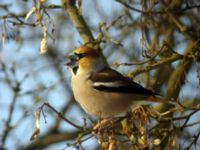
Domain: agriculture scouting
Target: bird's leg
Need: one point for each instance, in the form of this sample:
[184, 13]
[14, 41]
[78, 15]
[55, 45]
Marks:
[102, 124]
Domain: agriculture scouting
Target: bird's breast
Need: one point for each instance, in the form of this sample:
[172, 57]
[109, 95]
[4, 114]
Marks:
[99, 103]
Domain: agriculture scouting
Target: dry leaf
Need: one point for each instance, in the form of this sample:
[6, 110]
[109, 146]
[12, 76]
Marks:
[156, 142]
[112, 143]
[43, 46]
[38, 16]
[141, 140]
[36, 132]
[43, 43]
[37, 117]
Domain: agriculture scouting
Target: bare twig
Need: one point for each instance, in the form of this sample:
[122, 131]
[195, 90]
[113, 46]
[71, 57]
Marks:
[194, 141]
[8, 126]
[61, 116]
[159, 63]
[143, 62]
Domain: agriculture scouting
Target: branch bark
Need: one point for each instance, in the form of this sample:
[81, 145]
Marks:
[50, 139]
[78, 20]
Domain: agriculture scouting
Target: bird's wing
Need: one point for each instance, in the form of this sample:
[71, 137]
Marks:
[109, 80]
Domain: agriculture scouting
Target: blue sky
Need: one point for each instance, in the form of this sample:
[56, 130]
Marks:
[42, 74]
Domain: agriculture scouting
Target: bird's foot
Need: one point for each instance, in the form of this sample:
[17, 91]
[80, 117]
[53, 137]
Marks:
[102, 124]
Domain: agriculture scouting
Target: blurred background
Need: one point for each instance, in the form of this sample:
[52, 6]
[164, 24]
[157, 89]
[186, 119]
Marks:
[156, 43]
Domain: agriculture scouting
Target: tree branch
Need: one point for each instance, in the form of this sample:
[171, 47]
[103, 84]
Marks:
[77, 20]
[50, 139]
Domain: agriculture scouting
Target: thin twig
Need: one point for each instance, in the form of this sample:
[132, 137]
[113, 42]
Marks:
[61, 116]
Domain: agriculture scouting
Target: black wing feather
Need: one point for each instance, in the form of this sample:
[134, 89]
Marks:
[129, 86]
[125, 89]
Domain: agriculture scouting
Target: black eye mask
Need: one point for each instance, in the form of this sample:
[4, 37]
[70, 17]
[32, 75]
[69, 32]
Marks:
[73, 61]
[81, 55]
[75, 69]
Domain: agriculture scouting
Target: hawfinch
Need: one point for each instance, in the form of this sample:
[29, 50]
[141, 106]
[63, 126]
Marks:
[102, 91]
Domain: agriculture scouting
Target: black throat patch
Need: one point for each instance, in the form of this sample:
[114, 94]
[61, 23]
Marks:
[75, 69]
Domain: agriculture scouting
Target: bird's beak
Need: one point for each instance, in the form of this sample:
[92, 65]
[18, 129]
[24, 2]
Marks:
[72, 61]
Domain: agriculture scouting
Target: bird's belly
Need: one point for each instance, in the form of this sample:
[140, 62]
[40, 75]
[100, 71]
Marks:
[111, 104]
[101, 104]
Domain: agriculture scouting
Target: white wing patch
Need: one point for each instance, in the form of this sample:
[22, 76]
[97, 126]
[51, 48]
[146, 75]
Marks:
[109, 84]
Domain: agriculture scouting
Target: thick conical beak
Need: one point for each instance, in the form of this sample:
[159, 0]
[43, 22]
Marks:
[72, 61]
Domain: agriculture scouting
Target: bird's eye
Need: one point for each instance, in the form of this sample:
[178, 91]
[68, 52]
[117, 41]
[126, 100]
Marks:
[81, 55]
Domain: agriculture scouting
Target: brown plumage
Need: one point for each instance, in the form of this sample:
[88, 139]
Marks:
[102, 91]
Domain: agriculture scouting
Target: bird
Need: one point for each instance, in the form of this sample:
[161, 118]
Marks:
[102, 91]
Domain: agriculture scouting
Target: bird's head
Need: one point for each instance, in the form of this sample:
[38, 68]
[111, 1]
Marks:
[86, 60]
